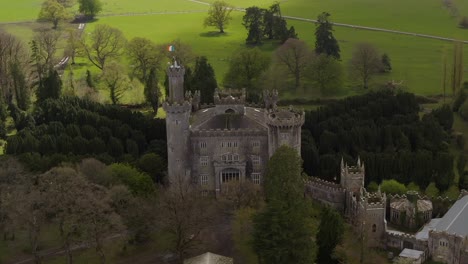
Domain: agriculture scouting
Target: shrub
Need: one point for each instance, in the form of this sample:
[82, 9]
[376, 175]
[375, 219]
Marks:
[138, 183]
[393, 187]
[463, 22]
[464, 110]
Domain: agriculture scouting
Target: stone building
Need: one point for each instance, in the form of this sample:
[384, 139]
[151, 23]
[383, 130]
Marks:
[448, 239]
[366, 211]
[230, 140]
[410, 210]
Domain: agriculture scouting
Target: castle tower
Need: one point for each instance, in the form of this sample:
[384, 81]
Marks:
[177, 124]
[176, 73]
[284, 128]
[270, 98]
[352, 177]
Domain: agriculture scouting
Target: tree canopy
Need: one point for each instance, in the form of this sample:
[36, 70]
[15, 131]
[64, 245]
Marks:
[219, 15]
[90, 8]
[281, 234]
[54, 12]
[325, 41]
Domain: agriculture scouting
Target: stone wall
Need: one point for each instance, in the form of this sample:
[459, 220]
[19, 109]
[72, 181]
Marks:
[326, 193]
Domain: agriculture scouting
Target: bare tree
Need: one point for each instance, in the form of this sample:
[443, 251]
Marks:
[12, 53]
[11, 174]
[106, 43]
[184, 214]
[242, 194]
[73, 47]
[81, 210]
[144, 55]
[22, 205]
[296, 56]
[47, 41]
[116, 80]
[219, 15]
[25, 204]
[99, 219]
[365, 63]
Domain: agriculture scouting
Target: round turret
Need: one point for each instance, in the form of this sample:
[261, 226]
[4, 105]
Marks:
[284, 128]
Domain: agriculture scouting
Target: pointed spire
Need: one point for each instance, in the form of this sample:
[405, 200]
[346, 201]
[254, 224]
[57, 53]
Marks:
[342, 162]
[359, 161]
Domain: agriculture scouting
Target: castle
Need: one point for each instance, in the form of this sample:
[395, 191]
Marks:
[442, 239]
[213, 144]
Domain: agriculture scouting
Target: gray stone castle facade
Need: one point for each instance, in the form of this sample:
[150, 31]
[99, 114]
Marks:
[211, 145]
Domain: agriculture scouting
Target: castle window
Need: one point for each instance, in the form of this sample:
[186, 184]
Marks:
[374, 228]
[284, 138]
[176, 122]
[203, 179]
[204, 161]
[228, 175]
[204, 193]
[235, 157]
[255, 160]
[256, 143]
[256, 178]
[203, 144]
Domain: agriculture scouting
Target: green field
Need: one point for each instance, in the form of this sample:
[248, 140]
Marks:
[417, 62]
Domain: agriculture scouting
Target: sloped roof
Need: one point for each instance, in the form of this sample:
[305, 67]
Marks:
[209, 258]
[252, 119]
[403, 203]
[455, 221]
[411, 254]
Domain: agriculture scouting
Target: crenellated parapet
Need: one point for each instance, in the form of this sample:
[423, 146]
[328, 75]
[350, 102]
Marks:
[175, 107]
[227, 132]
[229, 97]
[324, 185]
[270, 97]
[285, 118]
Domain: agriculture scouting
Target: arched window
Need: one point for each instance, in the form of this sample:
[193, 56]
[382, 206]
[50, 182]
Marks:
[374, 228]
[230, 111]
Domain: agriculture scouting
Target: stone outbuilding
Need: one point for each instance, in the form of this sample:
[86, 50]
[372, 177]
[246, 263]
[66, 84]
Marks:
[410, 210]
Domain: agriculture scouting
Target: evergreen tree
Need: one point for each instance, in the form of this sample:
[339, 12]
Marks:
[325, 41]
[386, 65]
[330, 234]
[22, 94]
[89, 79]
[152, 90]
[204, 80]
[253, 22]
[188, 80]
[281, 235]
[49, 87]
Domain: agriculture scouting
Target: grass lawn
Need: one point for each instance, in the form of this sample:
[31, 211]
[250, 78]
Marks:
[416, 61]
[19, 10]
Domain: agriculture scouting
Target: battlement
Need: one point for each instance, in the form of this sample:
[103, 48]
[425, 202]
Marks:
[393, 197]
[227, 132]
[285, 117]
[400, 235]
[229, 97]
[376, 205]
[324, 185]
[175, 70]
[175, 107]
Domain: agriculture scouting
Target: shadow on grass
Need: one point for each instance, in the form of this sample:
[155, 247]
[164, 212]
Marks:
[212, 34]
